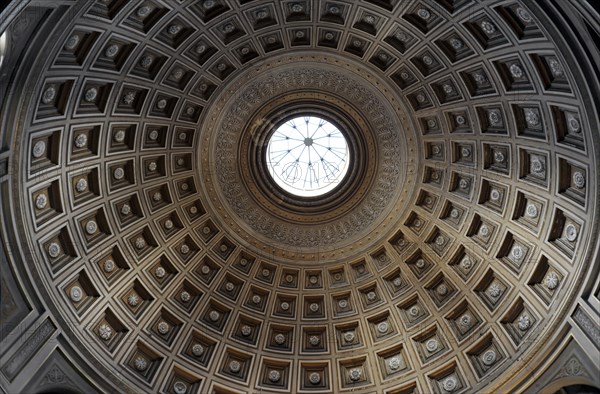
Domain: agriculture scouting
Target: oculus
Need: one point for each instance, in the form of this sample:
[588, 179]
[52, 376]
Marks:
[307, 156]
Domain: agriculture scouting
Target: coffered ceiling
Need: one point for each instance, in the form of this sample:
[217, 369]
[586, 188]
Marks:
[139, 207]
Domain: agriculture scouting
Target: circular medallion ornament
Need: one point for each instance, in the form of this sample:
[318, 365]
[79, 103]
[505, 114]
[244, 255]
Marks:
[41, 201]
[314, 378]
[394, 363]
[494, 118]
[573, 124]
[442, 289]
[517, 252]
[119, 173]
[163, 327]
[571, 232]
[111, 51]
[349, 336]
[489, 357]
[432, 345]
[91, 227]
[179, 388]
[153, 135]
[516, 71]
[494, 290]
[119, 136]
[160, 272]
[524, 15]
[133, 300]
[54, 250]
[355, 374]
[465, 321]
[109, 266]
[551, 280]
[454, 213]
[246, 330]
[235, 366]
[146, 62]
[104, 332]
[484, 230]
[184, 296]
[80, 140]
[39, 149]
[487, 27]
[143, 11]
[274, 376]
[579, 180]
[314, 340]
[49, 95]
[524, 323]
[466, 263]
[72, 42]
[76, 294]
[174, 29]
[532, 211]
[90, 95]
[456, 43]
[280, 339]
[140, 364]
[450, 383]
[532, 117]
[140, 243]
[197, 350]
[161, 104]
[495, 195]
[129, 98]
[414, 311]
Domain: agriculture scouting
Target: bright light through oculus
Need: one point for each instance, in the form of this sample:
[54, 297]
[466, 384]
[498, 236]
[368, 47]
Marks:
[307, 156]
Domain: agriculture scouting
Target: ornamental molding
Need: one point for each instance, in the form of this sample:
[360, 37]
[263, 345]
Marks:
[237, 108]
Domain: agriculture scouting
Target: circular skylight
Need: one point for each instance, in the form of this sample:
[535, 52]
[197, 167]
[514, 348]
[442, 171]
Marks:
[307, 156]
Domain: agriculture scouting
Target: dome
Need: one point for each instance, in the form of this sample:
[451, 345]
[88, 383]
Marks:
[235, 196]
